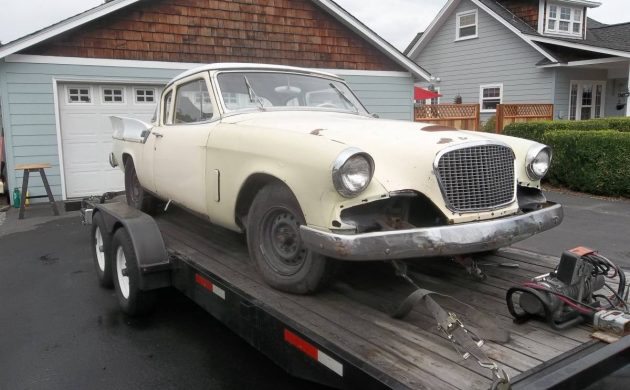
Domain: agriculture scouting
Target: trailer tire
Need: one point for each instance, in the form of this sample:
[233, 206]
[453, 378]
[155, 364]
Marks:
[274, 243]
[101, 251]
[133, 301]
[137, 196]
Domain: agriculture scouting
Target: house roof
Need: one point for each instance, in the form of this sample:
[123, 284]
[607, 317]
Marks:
[600, 38]
[329, 6]
[598, 35]
[413, 42]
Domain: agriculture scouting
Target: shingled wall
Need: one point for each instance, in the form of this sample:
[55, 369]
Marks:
[290, 32]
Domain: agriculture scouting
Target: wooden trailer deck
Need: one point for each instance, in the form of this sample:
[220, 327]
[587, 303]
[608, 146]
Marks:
[352, 313]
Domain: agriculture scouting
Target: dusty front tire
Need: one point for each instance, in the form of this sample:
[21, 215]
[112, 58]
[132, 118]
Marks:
[133, 301]
[137, 196]
[101, 251]
[273, 239]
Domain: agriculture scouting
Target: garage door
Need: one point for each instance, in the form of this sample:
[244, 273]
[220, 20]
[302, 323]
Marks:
[86, 131]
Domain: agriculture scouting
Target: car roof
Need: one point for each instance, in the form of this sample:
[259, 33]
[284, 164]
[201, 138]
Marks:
[249, 67]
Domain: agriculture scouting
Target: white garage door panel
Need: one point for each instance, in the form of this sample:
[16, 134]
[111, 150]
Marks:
[86, 135]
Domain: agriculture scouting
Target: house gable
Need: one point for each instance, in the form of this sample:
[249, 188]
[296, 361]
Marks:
[295, 32]
[494, 57]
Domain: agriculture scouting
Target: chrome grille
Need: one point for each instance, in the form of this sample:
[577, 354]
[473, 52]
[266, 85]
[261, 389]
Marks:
[477, 178]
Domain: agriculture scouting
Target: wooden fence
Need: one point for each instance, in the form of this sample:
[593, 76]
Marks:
[510, 113]
[459, 116]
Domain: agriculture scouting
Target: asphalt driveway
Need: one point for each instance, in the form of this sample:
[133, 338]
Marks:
[59, 330]
[600, 224]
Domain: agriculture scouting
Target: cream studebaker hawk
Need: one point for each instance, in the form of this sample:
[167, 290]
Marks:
[292, 158]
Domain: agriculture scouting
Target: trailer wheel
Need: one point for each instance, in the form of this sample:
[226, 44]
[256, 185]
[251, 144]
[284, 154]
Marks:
[101, 251]
[137, 196]
[131, 298]
[273, 239]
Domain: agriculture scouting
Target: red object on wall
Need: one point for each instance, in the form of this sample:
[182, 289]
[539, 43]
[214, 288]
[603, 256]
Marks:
[424, 94]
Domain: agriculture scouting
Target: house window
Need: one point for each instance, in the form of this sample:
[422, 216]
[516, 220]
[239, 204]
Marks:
[564, 20]
[490, 96]
[113, 95]
[586, 100]
[145, 95]
[466, 25]
[79, 95]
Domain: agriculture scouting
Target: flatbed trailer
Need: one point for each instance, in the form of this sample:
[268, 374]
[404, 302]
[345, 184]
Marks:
[344, 337]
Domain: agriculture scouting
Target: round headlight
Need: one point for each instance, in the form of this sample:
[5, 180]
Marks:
[352, 172]
[538, 161]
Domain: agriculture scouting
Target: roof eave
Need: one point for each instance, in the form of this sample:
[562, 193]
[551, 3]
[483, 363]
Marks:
[63, 26]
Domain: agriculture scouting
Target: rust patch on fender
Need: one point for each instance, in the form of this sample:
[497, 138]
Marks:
[445, 141]
[317, 131]
[438, 128]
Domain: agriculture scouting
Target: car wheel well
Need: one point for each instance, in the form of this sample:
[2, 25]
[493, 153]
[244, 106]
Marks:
[125, 158]
[248, 191]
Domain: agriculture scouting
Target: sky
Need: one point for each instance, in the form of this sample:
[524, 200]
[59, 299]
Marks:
[398, 21]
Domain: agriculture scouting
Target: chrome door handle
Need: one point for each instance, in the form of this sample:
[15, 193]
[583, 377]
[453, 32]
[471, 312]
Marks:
[157, 135]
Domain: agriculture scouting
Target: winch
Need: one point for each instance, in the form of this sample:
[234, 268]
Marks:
[569, 295]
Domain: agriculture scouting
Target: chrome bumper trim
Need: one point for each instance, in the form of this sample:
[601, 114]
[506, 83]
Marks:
[448, 240]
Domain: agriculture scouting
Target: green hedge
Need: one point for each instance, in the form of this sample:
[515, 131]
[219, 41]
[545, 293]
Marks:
[597, 162]
[536, 130]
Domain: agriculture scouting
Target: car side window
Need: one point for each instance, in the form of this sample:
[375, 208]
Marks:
[167, 107]
[193, 103]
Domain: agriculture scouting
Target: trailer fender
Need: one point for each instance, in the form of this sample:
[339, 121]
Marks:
[148, 244]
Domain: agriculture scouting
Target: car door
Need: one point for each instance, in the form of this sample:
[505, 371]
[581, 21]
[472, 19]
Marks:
[179, 155]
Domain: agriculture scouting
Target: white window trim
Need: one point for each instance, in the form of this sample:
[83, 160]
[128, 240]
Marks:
[458, 26]
[113, 103]
[557, 30]
[155, 96]
[578, 109]
[482, 87]
[79, 86]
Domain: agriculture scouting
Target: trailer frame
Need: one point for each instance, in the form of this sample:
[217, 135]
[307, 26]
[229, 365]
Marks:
[277, 332]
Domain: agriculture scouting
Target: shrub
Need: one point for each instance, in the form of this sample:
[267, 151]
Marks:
[535, 130]
[595, 161]
[490, 126]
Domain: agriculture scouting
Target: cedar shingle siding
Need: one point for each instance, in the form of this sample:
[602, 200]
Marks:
[291, 32]
[524, 9]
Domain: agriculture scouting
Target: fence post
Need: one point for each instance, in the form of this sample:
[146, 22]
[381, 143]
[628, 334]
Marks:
[499, 119]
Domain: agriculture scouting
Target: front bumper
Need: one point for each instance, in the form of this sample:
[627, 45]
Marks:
[448, 240]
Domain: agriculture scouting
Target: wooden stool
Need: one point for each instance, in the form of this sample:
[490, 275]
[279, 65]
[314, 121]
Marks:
[28, 168]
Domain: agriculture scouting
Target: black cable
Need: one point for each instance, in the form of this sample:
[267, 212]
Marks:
[575, 301]
[612, 305]
[617, 296]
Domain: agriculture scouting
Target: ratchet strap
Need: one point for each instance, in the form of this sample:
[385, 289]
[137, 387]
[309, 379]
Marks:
[464, 340]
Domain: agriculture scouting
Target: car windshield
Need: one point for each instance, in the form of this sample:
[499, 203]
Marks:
[278, 91]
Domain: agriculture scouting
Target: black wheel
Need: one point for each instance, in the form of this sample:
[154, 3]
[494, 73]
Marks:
[101, 251]
[136, 195]
[273, 239]
[132, 300]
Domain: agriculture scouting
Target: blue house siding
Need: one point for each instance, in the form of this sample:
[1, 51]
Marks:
[30, 120]
[496, 56]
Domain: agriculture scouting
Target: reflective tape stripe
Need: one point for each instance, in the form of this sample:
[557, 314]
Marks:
[329, 362]
[311, 351]
[208, 285]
